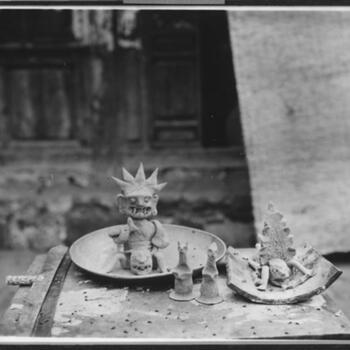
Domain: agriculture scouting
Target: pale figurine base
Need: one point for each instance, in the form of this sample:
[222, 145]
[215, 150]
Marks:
[210, 301]
[182, 297]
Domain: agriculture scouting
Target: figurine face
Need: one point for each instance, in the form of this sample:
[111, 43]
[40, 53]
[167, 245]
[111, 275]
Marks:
[279, 270]
[182, 248]
[141, 262]
[139, 206]
[212, 251]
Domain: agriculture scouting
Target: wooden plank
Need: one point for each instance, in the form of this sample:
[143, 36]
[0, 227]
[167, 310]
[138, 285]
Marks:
[131, 105]
[12, 315]
[93, 307]
[56, 114]
[23, 312]
[3, 116]
[44, 321]
[22, 110]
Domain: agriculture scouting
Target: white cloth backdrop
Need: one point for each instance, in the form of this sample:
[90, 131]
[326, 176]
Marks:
[293, 81]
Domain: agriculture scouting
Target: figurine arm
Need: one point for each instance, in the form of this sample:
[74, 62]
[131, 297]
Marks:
[120, 235]
[160, 238]
[265, 274]
[254, 265]
[300, 267]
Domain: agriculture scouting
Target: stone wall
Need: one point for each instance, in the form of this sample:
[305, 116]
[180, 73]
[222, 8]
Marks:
[45, 203]
[293, 77]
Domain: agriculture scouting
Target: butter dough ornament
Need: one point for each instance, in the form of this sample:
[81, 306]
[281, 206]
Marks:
[183, 282]
[209, 289]
[140, 242]
[278, 273]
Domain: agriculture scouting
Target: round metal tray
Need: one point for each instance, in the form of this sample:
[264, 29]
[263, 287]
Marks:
[96, 252]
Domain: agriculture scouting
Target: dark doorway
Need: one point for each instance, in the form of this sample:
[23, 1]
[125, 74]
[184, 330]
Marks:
[221, 125]
[192, 87]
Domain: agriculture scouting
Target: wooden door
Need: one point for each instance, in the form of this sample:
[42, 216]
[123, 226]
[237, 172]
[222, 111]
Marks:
[172, 46]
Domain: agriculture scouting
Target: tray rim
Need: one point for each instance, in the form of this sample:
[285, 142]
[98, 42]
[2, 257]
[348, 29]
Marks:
[141, 277]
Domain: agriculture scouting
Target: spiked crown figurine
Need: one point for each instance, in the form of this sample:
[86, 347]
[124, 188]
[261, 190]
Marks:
[141, 237]
[139, 198]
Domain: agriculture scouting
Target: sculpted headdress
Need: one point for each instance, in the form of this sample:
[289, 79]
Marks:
[139, 185]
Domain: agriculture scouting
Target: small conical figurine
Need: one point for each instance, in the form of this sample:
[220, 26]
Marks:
[183, 288]
[209, 290]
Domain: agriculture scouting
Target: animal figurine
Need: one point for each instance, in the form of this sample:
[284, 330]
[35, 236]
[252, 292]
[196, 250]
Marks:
[140, 242]
[275, 257]
[183, 287]
[209, 289]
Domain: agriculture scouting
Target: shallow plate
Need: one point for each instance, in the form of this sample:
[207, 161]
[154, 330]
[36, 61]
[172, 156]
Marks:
[240, 277]
[96, 252]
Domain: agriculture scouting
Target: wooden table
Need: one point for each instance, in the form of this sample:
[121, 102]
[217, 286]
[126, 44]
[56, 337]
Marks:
[69, 302]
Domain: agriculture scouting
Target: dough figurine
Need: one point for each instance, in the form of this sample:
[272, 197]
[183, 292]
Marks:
[141, 240]
[183, 288]
[275, 256]
[278, 273]
[209, 290]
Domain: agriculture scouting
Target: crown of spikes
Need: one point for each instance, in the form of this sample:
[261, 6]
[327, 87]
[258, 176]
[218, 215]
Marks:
[139, 185]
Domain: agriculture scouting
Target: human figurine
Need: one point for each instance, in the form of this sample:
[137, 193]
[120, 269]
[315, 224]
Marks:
[209, 290]
[183, 287]
[275, 256]
[141, 240]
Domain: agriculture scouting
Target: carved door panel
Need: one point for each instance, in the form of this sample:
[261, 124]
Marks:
[173, 52]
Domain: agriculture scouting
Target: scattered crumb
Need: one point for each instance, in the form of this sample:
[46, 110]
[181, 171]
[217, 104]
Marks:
[84, 282]
[183, 317]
